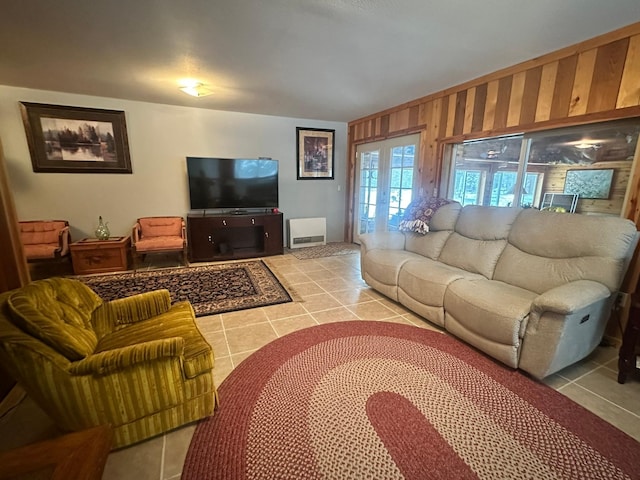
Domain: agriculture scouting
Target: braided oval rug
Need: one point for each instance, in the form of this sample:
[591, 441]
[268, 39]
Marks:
[377, 400]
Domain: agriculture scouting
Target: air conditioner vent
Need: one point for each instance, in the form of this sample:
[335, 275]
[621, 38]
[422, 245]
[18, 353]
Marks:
[307, 232]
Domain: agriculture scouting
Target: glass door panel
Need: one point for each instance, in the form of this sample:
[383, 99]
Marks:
[386, 178]
[368, 191]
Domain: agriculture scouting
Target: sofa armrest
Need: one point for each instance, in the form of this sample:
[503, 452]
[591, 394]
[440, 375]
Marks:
[570, 297]
[113, 360]
[382, 240]
[135, 233]
[136, 308]
[64, 239]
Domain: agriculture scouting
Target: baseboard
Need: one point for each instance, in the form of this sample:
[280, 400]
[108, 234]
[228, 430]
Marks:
[11, 400]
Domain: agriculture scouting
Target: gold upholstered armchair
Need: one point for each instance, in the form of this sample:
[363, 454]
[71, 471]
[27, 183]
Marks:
[152, 235]
[138, 364]
[45, 239]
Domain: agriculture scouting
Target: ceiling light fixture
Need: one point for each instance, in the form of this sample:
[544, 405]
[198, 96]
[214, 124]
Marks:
[196, 90]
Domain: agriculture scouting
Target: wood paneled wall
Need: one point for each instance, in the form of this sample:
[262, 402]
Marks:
[596, 80]
[13, 266]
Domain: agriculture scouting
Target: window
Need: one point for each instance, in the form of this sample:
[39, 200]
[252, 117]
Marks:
[517, 171]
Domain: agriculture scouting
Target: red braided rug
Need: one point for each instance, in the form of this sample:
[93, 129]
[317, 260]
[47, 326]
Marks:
[373, 400]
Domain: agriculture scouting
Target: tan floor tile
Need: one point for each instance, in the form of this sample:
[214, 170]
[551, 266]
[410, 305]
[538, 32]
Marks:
[395, 306]
[310, 266]
[238, 358]
[292, 324]
[421, 322]
[285, 269]
[334, 284]
[284, 310]
[604, 382]
[330, 262]
[616, 416]
[555, 381]
[252, 337]
[340, 314]
[296, 278]
[244, 318]
[221, 370]
[210, 323]
[138, 462]
[218, 342]
[321, 275]
[306, 289]
[372, 311]
[397, 319]
[577, 370]
[352, 296]
[375, 294]
[316, 303]
[176, 446]
[604, 355]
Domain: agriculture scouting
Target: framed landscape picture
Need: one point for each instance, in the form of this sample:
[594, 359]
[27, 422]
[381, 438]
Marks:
[315, 153]
[76, 139]
[591, 183]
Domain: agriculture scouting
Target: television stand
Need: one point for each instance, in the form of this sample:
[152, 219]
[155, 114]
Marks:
[233, 236]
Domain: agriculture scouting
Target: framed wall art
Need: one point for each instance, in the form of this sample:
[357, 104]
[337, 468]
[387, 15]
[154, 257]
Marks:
[589, 183]
[76, 139]
[315, 153]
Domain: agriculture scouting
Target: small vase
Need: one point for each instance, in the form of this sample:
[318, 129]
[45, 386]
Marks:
[102, 232]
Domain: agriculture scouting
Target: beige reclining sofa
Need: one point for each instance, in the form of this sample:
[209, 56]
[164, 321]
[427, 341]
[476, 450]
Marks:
[533, 289]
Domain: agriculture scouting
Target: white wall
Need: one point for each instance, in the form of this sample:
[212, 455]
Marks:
[160, 137]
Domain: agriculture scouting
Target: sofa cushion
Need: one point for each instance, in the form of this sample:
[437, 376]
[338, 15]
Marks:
[41, 251]
[33, 233]
[550, 249]
[479, 238]
[384, 265]
[159, 243]
[161, 226]
[179, 321]
[429, 245]
[57, 311]
[494, 310]
[441, 226]
[427, 280]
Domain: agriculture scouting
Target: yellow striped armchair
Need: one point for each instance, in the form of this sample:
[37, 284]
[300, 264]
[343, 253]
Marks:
[138, 364]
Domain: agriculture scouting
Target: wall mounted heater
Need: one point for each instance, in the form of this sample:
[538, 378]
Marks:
[307, 232]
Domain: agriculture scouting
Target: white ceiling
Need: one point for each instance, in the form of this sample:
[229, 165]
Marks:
[317, 59]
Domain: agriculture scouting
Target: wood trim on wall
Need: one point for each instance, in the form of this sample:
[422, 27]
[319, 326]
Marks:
[14, 272]
[595, 80]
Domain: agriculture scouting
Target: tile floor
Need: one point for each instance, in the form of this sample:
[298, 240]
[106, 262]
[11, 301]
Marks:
[325, 290]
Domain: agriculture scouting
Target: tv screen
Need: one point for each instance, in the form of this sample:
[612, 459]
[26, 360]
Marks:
[238, 183]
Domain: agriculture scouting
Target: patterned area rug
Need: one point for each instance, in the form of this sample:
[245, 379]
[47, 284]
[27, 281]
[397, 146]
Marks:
[328, 250]
[210, 289]
[380, 400]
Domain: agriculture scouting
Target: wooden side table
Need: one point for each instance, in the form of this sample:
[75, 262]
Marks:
[91, 255]
[79, 455]
[630, 349]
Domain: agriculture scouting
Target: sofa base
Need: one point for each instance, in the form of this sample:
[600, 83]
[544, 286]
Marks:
[161, 422]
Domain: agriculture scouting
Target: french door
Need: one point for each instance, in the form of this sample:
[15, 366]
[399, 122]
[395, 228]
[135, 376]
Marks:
[385, 179]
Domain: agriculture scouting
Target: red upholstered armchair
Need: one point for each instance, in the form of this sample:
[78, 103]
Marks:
[159, 235]
[45, 239]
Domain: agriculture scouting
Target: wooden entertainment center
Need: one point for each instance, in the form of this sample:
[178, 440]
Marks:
[234, 236]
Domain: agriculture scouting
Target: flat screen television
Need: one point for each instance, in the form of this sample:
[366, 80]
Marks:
[232, 183]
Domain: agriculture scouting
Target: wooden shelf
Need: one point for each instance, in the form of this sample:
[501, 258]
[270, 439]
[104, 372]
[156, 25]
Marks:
[231, 237]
